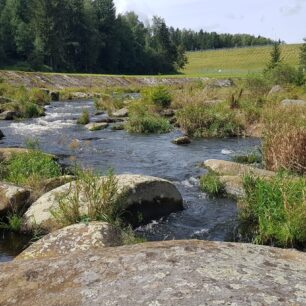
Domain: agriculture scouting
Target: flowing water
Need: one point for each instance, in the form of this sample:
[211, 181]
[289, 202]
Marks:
[58, 133]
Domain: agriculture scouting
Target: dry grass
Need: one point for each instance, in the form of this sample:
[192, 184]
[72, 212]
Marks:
[284, 139]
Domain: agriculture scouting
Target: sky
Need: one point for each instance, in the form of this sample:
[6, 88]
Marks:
[276, 19]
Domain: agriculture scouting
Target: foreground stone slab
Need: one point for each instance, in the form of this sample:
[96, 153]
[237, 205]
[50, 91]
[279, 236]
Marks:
[77, 237]
[159, 273]
[13, 198]
[147, 196]
[227, 168]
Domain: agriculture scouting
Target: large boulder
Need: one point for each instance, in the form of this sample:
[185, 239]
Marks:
[13, 198]
[77, 237]
[222, 167]
[159, 273]
[144, 196]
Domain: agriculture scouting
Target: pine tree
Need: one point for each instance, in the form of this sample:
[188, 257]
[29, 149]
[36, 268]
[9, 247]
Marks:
[275, 56]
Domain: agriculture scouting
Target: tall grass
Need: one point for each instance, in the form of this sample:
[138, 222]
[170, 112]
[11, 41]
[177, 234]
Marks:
[84, 118]
[284, 138]
[217, 120]
[274, 211]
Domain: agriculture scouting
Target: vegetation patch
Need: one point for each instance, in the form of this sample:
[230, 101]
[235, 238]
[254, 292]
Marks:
[148, 124]
[160, 96]
[209, 121]
[211, 184]
[84, 118]
[253, 157]
[274, 211]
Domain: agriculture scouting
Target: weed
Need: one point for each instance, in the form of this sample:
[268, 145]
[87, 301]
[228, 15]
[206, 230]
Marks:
[84, 118]
[211, 184]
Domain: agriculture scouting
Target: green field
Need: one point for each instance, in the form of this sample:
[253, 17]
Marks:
[236, 62]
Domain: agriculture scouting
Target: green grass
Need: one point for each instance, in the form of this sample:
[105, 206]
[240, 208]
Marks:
[148, 124]
[236, 62]
[211, 184]
[27, 168]
[274, 211]
[84, 118]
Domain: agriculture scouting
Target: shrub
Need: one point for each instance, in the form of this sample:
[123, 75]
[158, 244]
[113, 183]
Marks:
[39, 96]
[84, 118]
[100, 194]
[148, 124]
[25, 168]
[211, 184]
[160, 96]
[284, 138]
[274, 211]
[283, 74]
[209, 121]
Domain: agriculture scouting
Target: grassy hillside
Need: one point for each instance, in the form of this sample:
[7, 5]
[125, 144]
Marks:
[236, 62]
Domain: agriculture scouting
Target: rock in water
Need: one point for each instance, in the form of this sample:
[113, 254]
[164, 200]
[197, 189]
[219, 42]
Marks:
[96, 126]
[55, 96]
[182, 140]
[145, 196]
[159, 273]
[121, 113]
[77, 237]
[8, 115]
[13, 198]
[1, 134]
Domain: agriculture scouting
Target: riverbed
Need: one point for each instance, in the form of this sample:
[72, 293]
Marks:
[155, 155]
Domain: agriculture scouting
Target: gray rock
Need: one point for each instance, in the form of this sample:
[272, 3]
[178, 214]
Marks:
[275, 90]
[55, 96]
[124, 112]
[290, 102]
[8, 115]
[13, 198]
[95, 126]
[159, 273]
[149, 196]
[184, 140]
[77, 237]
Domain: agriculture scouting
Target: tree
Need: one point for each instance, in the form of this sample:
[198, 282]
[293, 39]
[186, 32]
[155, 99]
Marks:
[275, 56]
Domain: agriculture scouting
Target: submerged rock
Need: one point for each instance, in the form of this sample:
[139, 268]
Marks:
[144, 196]
[289, 102]
[95, 126]
[184, 140]
[124, 112]
[159, 273]
[77, 237]
[13, 198]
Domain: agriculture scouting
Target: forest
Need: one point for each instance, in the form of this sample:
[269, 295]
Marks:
[88, 36]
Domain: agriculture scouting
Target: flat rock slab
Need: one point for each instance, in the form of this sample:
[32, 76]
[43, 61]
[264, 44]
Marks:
[152, 197]
[227, 168]
[160, 273]
[290, 102]
[124, 112]
[13, 198]
[77, 237]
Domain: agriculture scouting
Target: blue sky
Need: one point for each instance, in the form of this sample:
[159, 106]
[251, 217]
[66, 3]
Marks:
[284, 19]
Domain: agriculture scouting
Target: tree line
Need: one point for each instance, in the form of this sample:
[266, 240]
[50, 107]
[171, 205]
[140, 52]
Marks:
[88, 36]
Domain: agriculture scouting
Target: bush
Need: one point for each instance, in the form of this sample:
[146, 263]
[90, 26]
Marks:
[148, 124]
[24, 168]
[283, 74]
[100, 194]
[274, 211]
[160, 96]
[211, 184]
[39, 96]
[284, 138]
[84, 118]
[209, 121]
